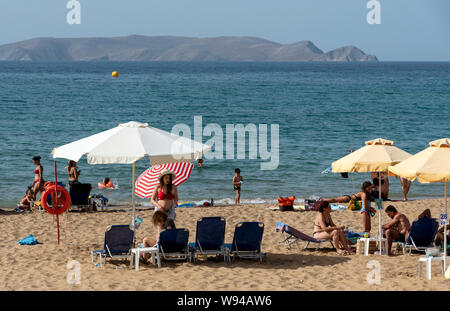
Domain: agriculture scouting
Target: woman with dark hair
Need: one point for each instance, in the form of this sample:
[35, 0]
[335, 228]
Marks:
[161, 222]
[165, 195]
[366, 210]
[73, 173]
[325, 229]
[38, 183]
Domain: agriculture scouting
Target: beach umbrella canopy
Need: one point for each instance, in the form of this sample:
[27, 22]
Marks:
[148, 180]
[129, 142]
[376, 156]
[429, 166]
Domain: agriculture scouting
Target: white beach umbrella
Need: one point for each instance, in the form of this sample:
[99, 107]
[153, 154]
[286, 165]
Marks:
[129, 142]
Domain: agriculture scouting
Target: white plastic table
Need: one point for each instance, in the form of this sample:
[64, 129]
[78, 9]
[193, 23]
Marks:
[367, 244]
[428, 261]
[153, 251]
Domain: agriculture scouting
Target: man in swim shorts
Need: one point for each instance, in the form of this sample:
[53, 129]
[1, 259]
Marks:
[397, 229]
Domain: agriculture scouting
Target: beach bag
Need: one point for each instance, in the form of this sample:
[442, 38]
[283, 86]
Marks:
[354, 205]
[286, 204]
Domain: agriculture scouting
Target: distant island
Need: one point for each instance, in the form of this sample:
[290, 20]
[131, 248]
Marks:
[171, 48]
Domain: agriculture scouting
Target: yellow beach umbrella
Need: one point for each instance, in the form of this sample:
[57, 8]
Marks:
[429, 166]
[376, 156]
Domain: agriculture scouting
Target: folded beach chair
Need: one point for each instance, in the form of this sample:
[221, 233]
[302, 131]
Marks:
[294, 236]
[421, 235]
[119, 240]
[210, 237]
[79, 196]
[173, 244]
[247, 241]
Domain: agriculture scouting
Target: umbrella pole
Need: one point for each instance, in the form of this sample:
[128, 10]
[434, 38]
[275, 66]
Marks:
[380, 232]
[445, 225]
[132, 194]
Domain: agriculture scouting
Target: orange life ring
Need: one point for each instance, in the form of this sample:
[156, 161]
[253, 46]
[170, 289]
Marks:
[63, 199]
[48, 184]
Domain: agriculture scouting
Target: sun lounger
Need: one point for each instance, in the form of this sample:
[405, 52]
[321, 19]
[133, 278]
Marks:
[421, 235]
[79, 196]
[173, 244]
[294, 236]
[247, 241]
[119, 240]
[210, 237]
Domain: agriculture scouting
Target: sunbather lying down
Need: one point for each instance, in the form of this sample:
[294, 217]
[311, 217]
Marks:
[365, 188]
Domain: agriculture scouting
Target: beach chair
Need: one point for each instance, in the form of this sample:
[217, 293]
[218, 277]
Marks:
[173, 244]
[246, 241]
[79, 196]
[119, 240]
[210, 237]
[421, 235]
[294, 236]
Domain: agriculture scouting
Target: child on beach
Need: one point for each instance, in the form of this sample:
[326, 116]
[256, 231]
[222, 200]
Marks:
[237, 182]
[25, 202]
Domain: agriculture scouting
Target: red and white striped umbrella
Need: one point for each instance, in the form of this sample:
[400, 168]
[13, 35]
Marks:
[148, 180]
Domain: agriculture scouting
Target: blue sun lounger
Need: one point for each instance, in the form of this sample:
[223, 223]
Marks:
[210, 237]
[421, 235]
[173, 244]
[247, 241]
[119, 240]
[294, 236]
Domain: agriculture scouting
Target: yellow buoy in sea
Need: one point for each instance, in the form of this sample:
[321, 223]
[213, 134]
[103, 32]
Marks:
[115, 74]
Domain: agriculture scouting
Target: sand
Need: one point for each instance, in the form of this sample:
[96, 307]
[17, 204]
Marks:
[44, 266]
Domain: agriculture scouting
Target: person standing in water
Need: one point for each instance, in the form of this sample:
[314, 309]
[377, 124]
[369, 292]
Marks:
[237, 182]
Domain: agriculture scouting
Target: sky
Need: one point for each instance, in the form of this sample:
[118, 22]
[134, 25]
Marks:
[410, 30]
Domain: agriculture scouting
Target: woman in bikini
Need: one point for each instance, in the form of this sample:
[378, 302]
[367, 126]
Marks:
[366, 210]
[325, 229]
[165, 195]
[38, 183]
[357, 196]
[72, 172]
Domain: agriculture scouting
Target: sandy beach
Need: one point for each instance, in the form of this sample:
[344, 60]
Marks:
[43, 266]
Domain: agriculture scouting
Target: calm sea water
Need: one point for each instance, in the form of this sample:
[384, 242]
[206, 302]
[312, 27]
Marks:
[323, 110]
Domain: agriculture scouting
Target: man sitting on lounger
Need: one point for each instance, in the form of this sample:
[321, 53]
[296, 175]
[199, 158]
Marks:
[397, 229]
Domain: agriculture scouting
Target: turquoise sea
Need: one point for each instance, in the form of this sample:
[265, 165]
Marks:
[323, 110]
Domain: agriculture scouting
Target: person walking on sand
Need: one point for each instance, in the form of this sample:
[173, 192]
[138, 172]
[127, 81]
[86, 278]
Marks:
[38, 183]
[325, 229]
[165, 195]
[237, 182]
[397, 229]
